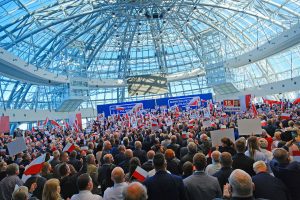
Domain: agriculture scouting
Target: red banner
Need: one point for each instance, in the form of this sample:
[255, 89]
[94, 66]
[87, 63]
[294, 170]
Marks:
[4, 124]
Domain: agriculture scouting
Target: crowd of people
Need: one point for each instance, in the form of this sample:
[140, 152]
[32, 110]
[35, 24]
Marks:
[172, 146]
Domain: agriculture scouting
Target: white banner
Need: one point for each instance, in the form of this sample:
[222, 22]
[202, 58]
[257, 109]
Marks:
[16, 146]
[249, 127]
[217, 135]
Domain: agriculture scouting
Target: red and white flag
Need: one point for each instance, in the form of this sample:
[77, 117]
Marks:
[255, 113]
[296, 156]
[194, 101]
[69, 148]
[285, 116]
[119, 108]
[35, 166]
[54, 123]
[154, 123]
[46, 122]
[185, 135]
[140, 174]
[66, 125]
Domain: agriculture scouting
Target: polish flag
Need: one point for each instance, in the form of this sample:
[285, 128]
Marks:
[263, 123]
[296, 101]
[54, 123]
[140, 174]
[75, 125]
[296, 156]
[194, 101]
[223, 114]
[35, 166]
[154, 123]
[69, 148]
[185, 135]
[192, 121]
[119, 108]
[285, 116]
[255, 113]
[66, 125]
[46, 122]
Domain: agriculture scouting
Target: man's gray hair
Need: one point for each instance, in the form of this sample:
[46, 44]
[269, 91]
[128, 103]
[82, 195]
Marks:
[135, 191]
[241, 184]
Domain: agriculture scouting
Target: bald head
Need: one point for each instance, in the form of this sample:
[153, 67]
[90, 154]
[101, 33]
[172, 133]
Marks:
[117, 175]
[150, 154]
[135, 191]
[241, 184]
[128, 153]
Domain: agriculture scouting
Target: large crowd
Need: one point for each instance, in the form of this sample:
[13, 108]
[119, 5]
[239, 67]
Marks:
[173, 147]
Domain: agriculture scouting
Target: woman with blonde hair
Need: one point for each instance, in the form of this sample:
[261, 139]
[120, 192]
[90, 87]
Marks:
[52, 190]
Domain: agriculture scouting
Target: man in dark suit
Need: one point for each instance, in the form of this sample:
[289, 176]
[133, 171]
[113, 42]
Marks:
[267, 186]
[148, 165]
[174, 146]
[192, 150]
[138, 152]
[74, 161]
[240, 160]
[199, 185]
[104, 173]
[224, 173]
[270, 128]
[184, 150]
[288, 172]
[125, 163]
[164, 186]
[120, 157]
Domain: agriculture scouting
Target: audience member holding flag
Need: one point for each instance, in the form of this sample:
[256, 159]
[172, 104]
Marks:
[140, 143]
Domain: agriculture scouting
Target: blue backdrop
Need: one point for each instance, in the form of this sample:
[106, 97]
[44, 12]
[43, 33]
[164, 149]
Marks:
[182, 102]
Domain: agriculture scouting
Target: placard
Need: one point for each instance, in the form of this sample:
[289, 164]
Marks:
[206, 124]
[16, 146]
[249, 126]
[217, 135]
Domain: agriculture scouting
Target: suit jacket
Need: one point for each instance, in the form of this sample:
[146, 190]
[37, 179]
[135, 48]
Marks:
[241, 161]
[148, 166]
[269, 187]
[141, 154]
[164, 186]
[270, 130]
[174, 167]
[187, 157]
[289, 174]
[120, 157]
[223, 176]
[183, 152]
[76, 163]
[200, 186]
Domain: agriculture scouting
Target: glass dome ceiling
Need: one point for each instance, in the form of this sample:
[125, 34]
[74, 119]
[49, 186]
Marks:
[113, 39]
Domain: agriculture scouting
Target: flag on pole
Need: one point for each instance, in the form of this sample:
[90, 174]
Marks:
[140, 174]
[194, 101]
[35, 166]
[69, 148]
[54, 123]
[46, 122]
[255, 113]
